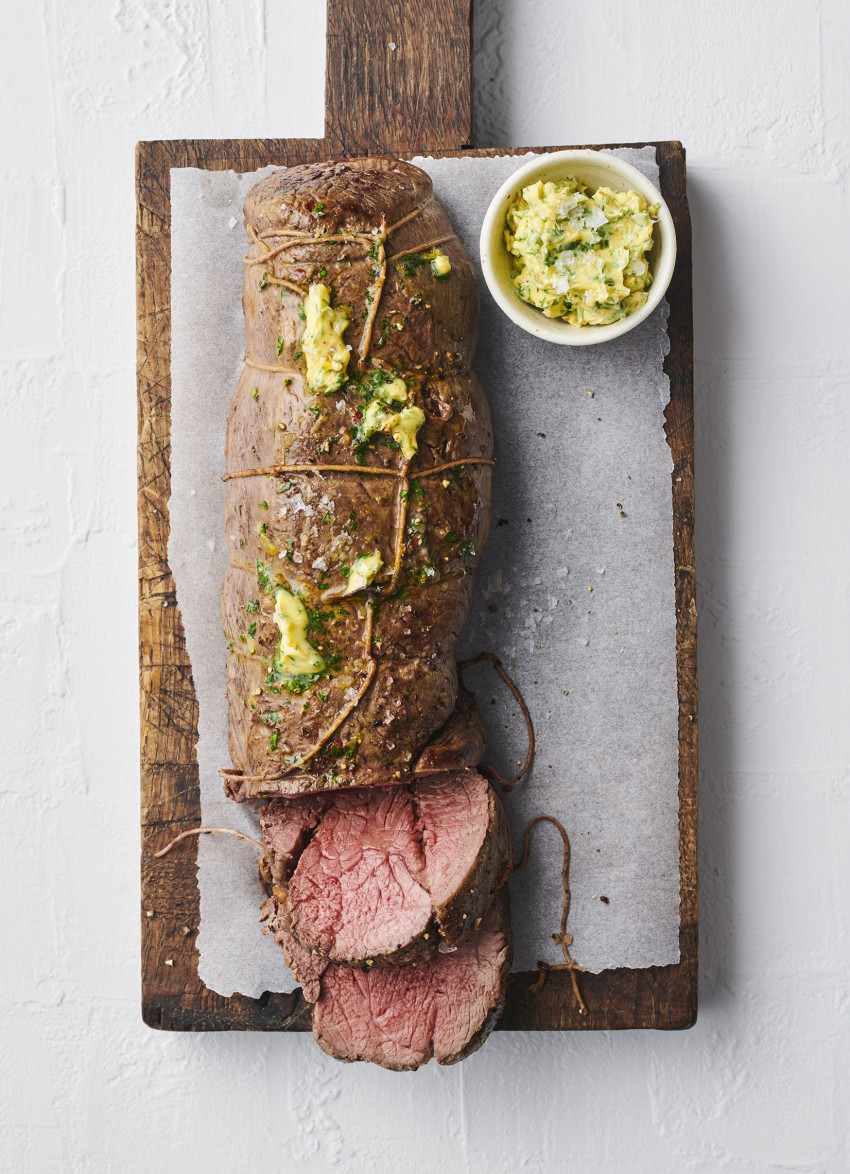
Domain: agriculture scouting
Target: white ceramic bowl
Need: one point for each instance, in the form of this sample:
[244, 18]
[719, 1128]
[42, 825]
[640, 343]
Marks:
[593, 169]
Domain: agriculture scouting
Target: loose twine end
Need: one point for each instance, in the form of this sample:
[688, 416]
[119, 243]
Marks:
[485, 768]
[208, 832]
[563, 938]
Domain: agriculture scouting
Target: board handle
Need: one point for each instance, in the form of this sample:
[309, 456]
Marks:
[399, 76]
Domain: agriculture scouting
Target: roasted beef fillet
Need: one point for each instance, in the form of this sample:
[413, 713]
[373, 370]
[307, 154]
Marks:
[390, 670]
[384, 846]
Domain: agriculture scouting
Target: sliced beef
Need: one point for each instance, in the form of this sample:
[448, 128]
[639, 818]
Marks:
[287, 833]
[386, 875]
[467, 848]
[384, 847]
[402, 1016]
[308, 968]
[359, 889]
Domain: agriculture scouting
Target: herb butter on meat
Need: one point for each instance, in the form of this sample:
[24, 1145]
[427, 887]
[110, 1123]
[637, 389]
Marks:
[360, 325]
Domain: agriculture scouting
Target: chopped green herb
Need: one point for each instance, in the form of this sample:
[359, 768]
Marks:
[413, 262]
[279, 347]
[264, 577]
[264, 281]
[252, 607]
[319, 210]
[252, 628]
[452, 536]
[413, 490]
[295, 685]
[264, 505]
[274, 738]
[423, 574]
[255, 393]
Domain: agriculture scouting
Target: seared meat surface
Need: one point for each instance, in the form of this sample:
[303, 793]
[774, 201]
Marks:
[333, 492]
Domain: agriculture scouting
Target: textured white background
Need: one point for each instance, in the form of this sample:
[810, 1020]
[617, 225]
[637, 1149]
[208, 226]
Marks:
[759, 94]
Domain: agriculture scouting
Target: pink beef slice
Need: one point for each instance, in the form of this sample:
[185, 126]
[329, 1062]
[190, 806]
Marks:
[390, 872]
[287, 826]
[358, 890]
[467, 848]
[308, 968]
[402, 1016]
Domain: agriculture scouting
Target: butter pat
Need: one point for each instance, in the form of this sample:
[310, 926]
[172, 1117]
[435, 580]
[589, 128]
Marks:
[322, 344]
[402, 425]
[393, 392]
[441, 266]
[363, 571]
[295, 654]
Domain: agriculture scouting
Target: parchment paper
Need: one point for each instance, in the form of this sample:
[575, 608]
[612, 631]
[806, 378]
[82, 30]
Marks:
[575, 592]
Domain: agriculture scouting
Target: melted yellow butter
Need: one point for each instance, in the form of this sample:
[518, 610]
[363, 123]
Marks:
[267, 543]
[393, 392]
[580, 257]
[363, 571]
[324, 351]
[441, 266]
[402, 426]
[295, 654]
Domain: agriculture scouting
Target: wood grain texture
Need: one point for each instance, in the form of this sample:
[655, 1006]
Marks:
[173, 997]
[399, 76]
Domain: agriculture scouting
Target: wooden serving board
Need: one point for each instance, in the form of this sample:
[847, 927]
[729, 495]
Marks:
[414, 99]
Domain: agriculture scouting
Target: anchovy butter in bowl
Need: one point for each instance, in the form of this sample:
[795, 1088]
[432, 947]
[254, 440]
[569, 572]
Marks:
[578, 247]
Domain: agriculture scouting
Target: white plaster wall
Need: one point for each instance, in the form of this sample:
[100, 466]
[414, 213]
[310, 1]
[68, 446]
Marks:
[759, 95]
